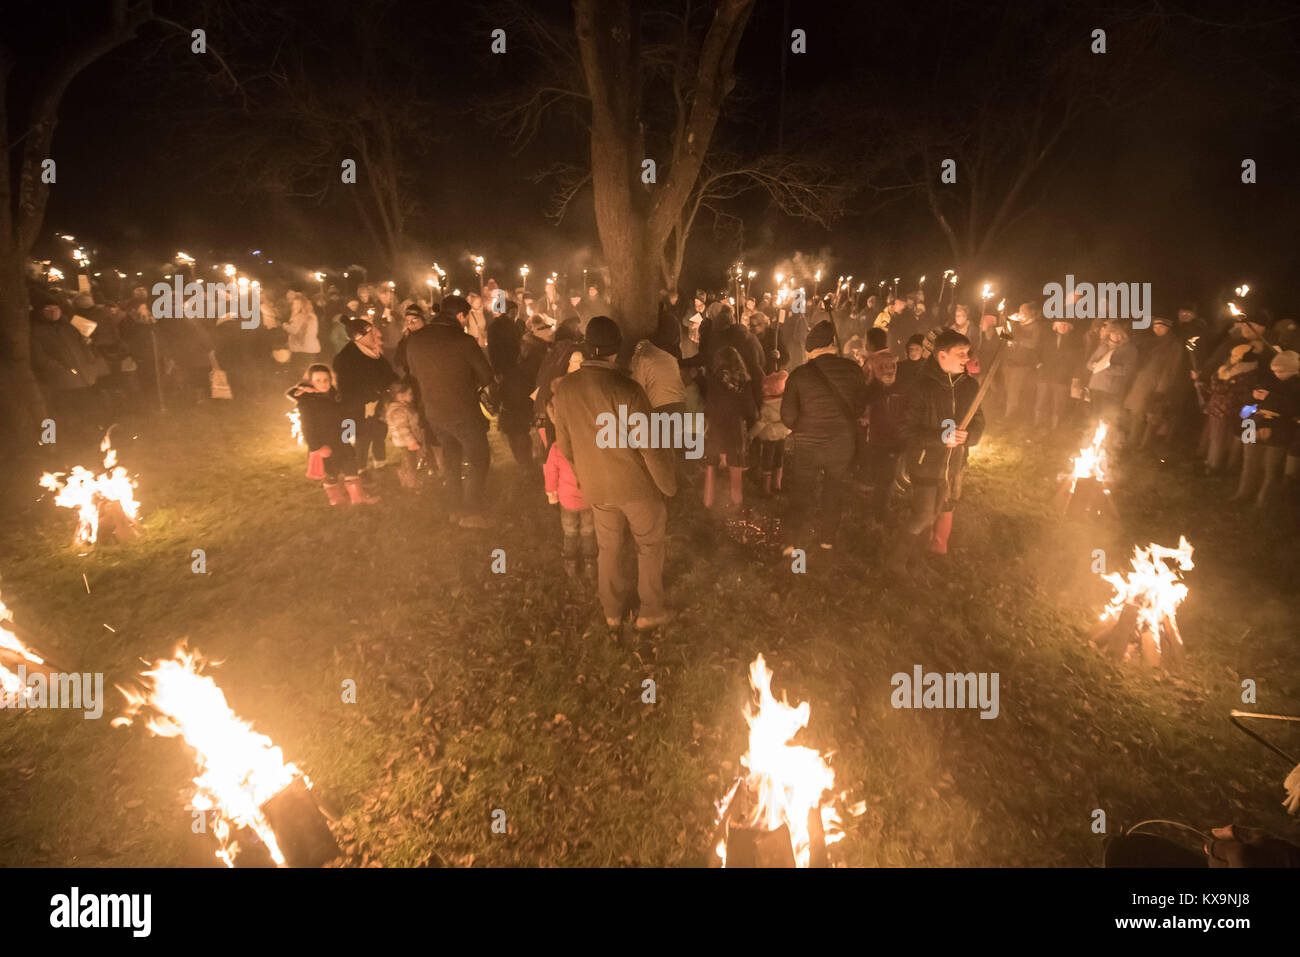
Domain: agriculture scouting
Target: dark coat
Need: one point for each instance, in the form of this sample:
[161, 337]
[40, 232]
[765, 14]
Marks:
[61, 359]
[449, 368]
[933, 399]
[361, 380]
[608, 476]
[1062, 357]
[320, 417]
[728, 414]
[824, 422]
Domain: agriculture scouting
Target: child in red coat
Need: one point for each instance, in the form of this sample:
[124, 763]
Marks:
[576, 518]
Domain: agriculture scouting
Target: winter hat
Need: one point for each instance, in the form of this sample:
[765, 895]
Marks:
[603, 336]
[774, 384]
[820, 336]
[1286, 364]
[414, 309]
[356, 328]
[454, 305]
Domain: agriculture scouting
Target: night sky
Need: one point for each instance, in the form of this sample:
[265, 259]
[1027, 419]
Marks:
[1146, 191]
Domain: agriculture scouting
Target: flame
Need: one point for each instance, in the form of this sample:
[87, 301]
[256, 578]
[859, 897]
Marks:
[1153, 588]
[10, 683]
[787, 781]
[239, 769]
[295, 426]
[83, 490]
[1232, 308]
[1091, 460]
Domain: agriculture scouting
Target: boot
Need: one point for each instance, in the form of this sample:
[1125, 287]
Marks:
[336, 494]
[710, 475]
[358, 494]
[406, 476]
[589, 554]
[940, 532]
[776, 480]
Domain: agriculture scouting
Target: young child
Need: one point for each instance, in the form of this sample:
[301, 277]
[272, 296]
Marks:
[1277, 407]
[770, 432]
[729, 411]
[576, 518]
[321, 420]
[405, 431]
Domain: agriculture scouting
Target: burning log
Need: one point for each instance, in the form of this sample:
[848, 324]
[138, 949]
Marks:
[1084, 492]
[103, 502]
[1141, 617]
[262, 811]
[777, 814]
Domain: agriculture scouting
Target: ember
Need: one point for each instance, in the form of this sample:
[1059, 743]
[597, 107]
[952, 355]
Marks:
[255, 796]
[778, 814]
[107, 499]
[1142, 614]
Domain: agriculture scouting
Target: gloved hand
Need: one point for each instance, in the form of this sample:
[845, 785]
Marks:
[1250, 847]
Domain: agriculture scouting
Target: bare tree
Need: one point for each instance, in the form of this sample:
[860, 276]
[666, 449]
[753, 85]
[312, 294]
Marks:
[635, 218]
[28, 133]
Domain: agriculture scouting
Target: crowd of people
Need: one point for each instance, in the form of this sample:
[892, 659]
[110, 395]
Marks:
[806, 406]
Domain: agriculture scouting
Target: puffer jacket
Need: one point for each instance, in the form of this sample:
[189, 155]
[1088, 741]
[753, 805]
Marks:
[934, 398]
[822, 420]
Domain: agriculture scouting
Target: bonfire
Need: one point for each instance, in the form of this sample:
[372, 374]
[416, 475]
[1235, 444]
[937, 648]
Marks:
[13, 654]
[295, 426]
[259, 805]
[779, 812]
[106, 500]
[1083, 490]
[1142, 615]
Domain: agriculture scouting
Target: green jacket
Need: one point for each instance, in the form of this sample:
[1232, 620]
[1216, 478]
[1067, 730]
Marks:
[613, 475]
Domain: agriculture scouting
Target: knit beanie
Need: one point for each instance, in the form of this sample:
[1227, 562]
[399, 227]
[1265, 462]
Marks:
[603, 336]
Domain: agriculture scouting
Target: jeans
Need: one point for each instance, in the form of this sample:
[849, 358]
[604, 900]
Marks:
[809, 468]
[575, 524]
[464, 441]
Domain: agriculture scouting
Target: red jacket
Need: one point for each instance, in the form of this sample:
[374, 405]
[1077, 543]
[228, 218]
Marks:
[561, 478]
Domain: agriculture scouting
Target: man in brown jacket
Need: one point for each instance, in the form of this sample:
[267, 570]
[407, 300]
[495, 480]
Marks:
[624, 482]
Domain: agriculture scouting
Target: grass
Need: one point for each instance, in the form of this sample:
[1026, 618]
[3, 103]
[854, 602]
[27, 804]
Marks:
[478, 692]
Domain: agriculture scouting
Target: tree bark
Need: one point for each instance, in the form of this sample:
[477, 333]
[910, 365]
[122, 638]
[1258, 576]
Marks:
[634, 219]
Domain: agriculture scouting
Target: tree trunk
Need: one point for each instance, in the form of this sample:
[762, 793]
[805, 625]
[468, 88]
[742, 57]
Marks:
[22, 405]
